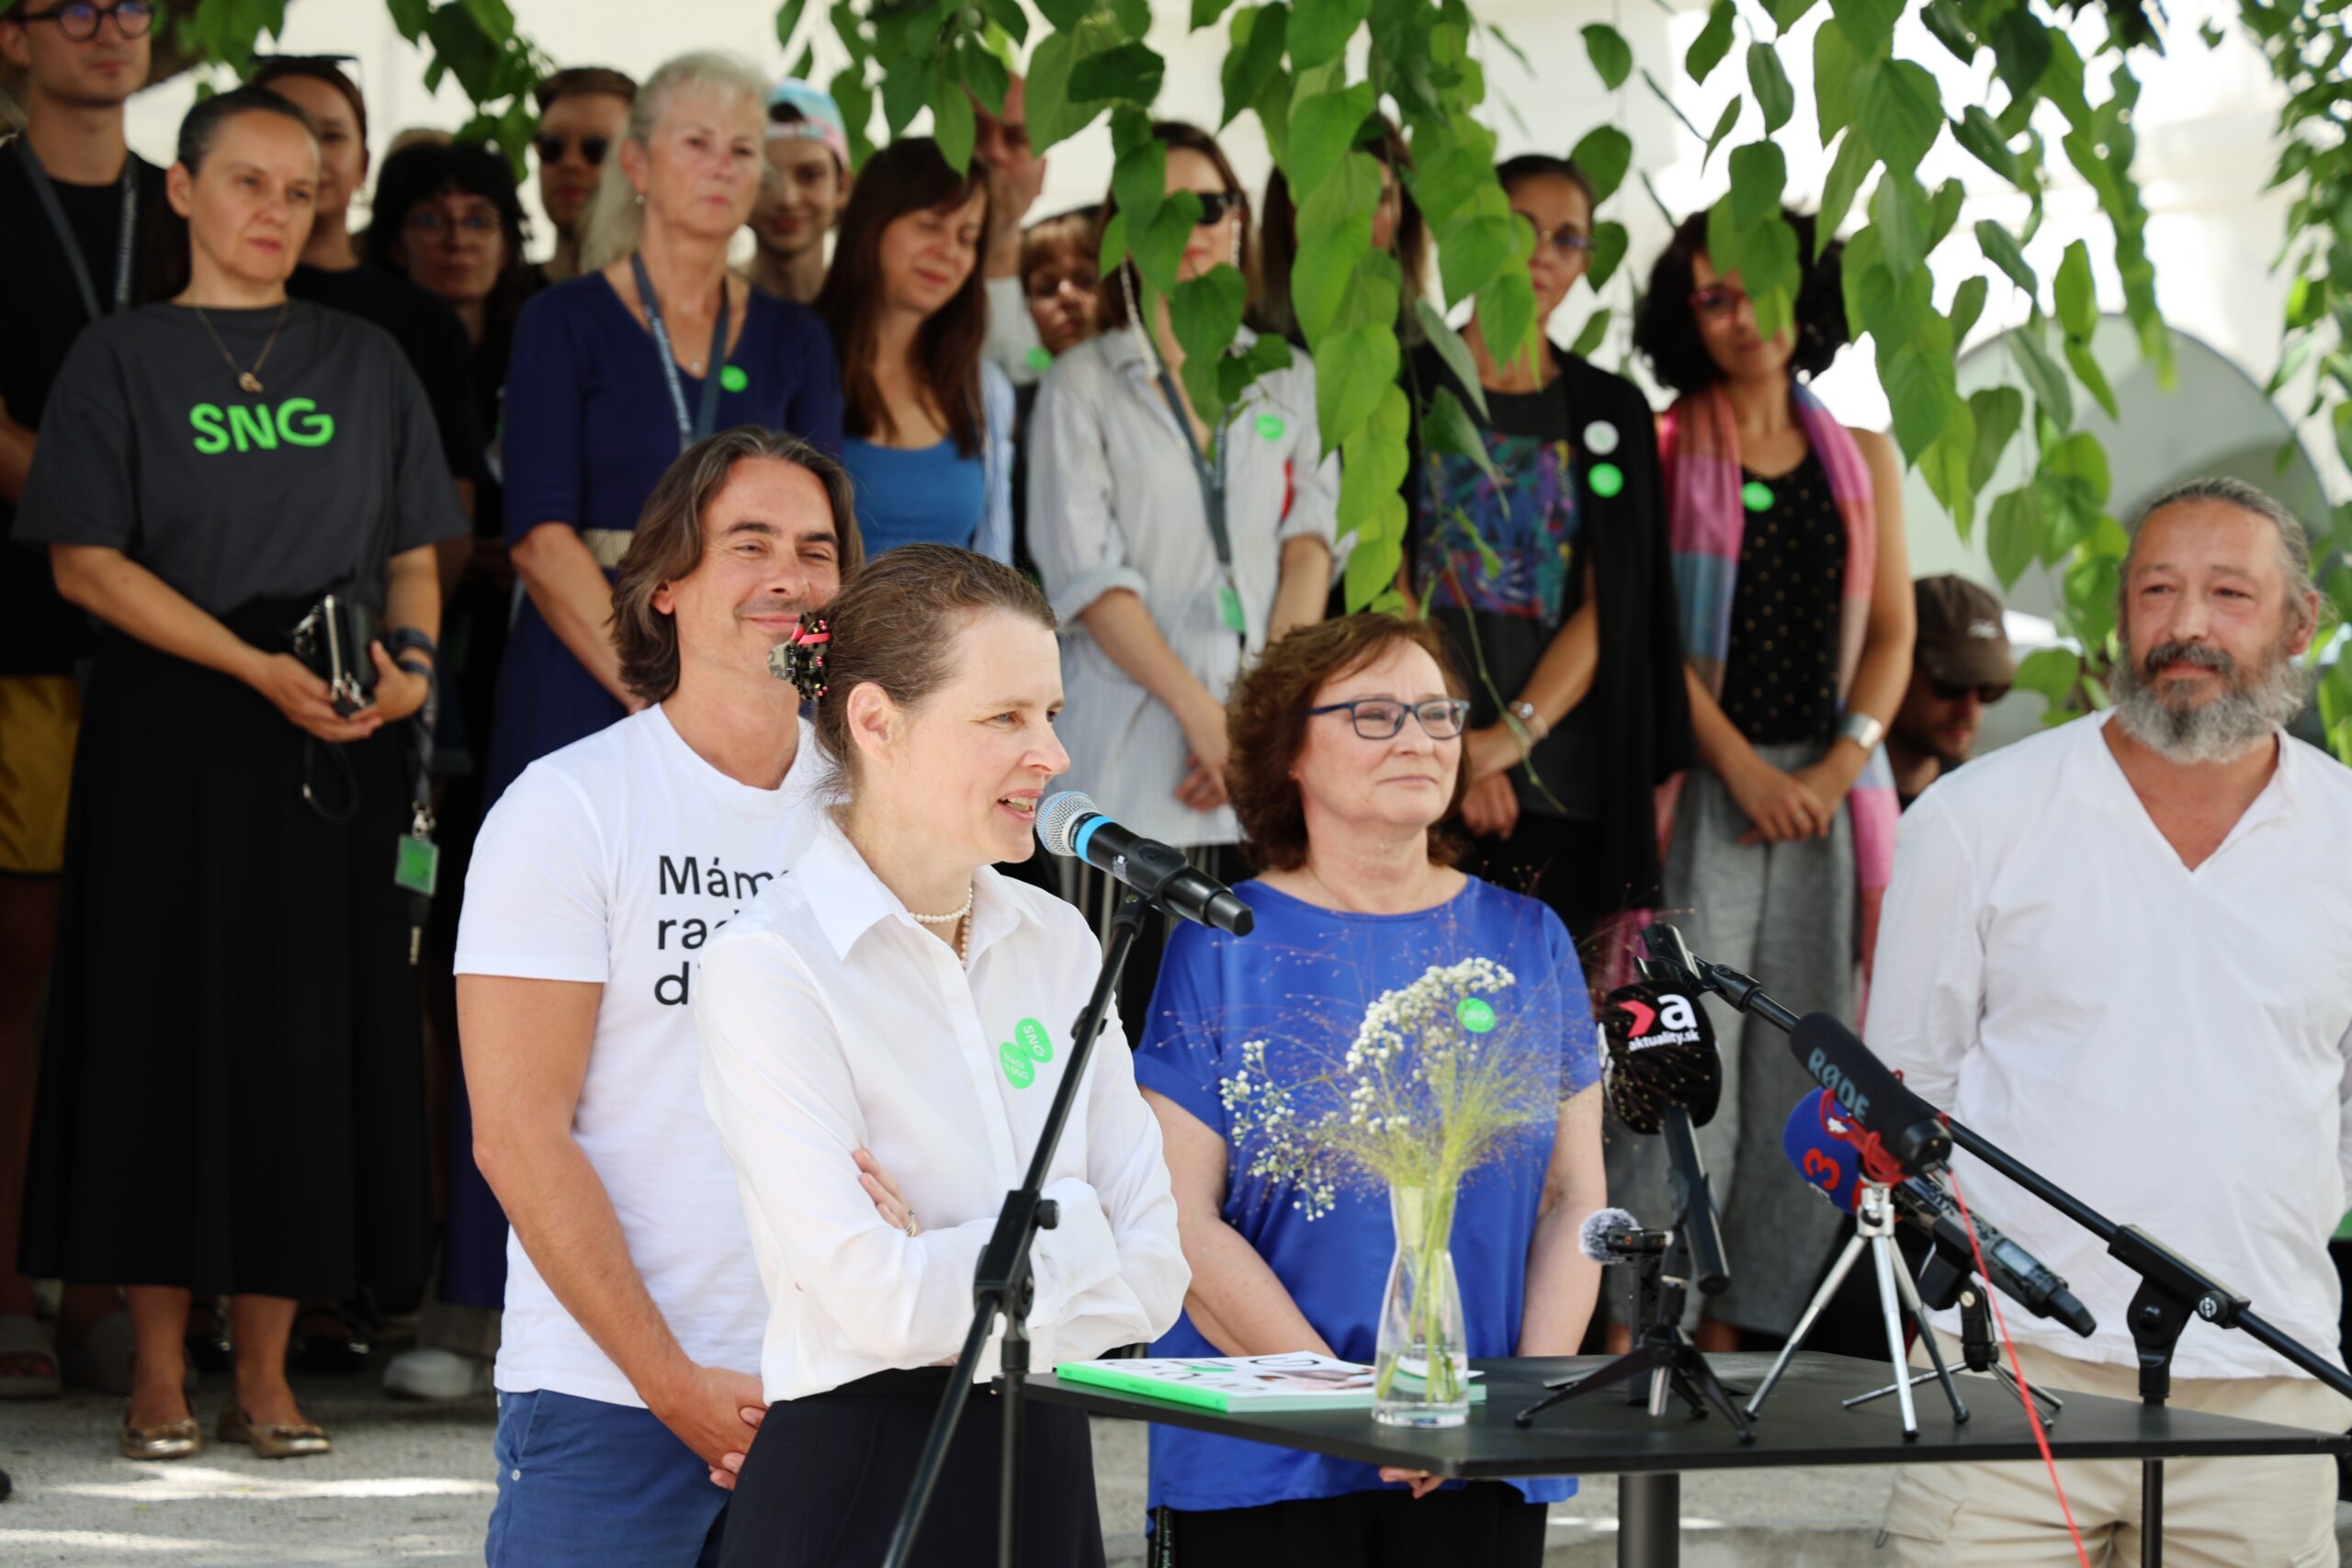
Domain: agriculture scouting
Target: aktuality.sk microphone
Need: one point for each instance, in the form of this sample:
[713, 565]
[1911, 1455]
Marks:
[1833, 1167]
[1071, 825]
[1663, 1077]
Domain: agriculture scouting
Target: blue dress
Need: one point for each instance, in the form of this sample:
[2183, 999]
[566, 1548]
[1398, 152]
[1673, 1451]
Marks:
[930, 494]
[1301, 981]
[590, 430]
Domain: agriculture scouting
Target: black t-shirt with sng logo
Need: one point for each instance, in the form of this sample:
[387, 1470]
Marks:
[151, 448]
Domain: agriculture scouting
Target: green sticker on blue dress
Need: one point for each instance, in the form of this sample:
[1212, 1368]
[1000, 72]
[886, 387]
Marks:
[1756, 495]
[1476, 1015]
[1605, 479]
[731, 378]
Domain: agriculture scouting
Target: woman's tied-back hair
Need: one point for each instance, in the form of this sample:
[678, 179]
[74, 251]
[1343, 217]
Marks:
[894, 625]
[1265, 720]
[166, 264]
[668, 544]
[609, 229]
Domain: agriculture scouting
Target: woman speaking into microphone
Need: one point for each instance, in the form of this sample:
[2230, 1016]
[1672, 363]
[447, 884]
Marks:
[883, 1030]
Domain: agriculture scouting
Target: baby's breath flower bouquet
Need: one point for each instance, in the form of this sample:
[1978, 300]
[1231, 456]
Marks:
[1433, 1083]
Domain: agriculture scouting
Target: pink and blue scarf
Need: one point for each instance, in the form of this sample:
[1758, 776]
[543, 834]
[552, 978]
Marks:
[1699, 450]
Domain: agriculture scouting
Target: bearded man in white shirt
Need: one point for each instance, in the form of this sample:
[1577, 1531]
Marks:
[627, 1370]
[2116, 950]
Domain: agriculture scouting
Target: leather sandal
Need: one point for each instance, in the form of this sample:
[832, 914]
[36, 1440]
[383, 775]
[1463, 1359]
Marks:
[271, 1442]
[183, 1438]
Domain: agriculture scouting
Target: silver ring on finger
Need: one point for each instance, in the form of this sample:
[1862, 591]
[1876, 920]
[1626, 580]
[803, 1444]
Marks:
[913, 1226]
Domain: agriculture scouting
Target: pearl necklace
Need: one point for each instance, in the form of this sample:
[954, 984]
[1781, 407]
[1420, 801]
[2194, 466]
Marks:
[957, 913]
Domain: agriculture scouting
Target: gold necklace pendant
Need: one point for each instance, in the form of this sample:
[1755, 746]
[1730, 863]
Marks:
[250, 382]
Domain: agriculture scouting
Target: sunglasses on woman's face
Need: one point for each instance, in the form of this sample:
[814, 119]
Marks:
[1951, 691]
[431, 223]
[553, 145]
[1216, 205]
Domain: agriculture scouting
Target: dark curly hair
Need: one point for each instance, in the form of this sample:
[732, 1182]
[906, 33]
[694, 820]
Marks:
[1666, 334]
[1265, 721]
[418, 173]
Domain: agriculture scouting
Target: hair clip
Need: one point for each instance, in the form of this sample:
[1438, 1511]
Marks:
[800, 658]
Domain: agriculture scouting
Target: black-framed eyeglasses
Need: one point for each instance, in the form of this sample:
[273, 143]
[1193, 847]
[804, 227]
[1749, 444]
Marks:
[1379, 718]
[1216, 205]
[429, 224]
[1568, 240]
[1718, 299]
[79, 21]
[1952, 691]
[553, 145]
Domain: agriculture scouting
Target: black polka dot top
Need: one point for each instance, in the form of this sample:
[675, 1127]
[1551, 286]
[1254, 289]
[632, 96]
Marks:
[1781, 671]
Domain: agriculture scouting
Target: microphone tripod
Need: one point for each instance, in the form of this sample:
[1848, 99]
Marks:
[1003, 1284]
[1977, 1351]
[1874, 1230]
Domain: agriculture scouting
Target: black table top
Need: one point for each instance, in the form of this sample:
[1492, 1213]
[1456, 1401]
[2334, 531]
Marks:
[1802, 1424]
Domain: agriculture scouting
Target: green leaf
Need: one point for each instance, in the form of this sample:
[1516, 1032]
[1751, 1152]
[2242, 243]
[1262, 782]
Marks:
[2052, 672]
[1944, 465]
[1336, 223]
[1900, 110]
[1967, 304]
[988, 78]
[1206, 311]
[1950, 29]
[1372, 572]
[1139, 180]
[1918, 394]
[1065, 15]
[1769, 83]
[787, 21]
[1445, 178]
[1452, 350]
[1945, 211]
[1611, 55]
[1981, 137]
[1847, 172]
[1758, 173]
[1235, 371]
[1998, 413]
[905, 91]
[1130, 73]
[2077, 297]
[1768, 269]
[1353, 369]
[2001, 249]
[1483, 239]
[1713, 43]
[1723, 122]
[2013, 537]
[2053, 394]
[1596, 327]
[1255, 58]
[2080, 359]
[1206, 12]
[1833, 79]
[1507, 314]
[1610, 243]
[1161, 249]
[1052, 119]
[1447, 428]
[1868, 25]
[953, 124]
[1786, 13]
[1322, 129]
[1899, 213]
[1604, 155]
[1319, 29]
[2021, 52]
[2083, 460]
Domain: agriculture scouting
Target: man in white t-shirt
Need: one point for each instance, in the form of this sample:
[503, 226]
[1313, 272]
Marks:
[2116, 950]
[628, 1365]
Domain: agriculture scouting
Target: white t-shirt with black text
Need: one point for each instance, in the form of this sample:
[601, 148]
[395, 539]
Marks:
[612, 861]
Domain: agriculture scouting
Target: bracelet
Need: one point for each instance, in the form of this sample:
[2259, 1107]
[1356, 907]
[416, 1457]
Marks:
[415, 666]
[1863, 731]
[1535, 722]
[399, 640]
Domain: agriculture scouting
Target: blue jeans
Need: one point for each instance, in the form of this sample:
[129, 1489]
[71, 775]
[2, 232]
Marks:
[581, 1481]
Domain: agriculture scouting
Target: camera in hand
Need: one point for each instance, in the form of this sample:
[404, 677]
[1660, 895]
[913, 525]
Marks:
[333, 641]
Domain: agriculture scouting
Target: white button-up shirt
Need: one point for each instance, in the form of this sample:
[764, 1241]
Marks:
[2172, 1046]
[829, 1019]
[1114, 502]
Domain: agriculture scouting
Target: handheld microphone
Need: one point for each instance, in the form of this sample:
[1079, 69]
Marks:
[1071, 825]
[1832, 1166]
[1663, 1076]
[1869, 1095]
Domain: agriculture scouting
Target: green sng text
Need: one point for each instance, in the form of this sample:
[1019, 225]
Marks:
[296, 422]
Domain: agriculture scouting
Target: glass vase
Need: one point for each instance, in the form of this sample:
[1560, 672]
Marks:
[1422, 1362]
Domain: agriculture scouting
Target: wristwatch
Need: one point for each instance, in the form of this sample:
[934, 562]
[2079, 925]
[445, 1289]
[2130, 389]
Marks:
[1537, 728]
[1863, 731]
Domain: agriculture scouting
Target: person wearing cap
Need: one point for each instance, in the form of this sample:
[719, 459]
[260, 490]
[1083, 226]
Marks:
[805, 187]
[1960, 666]
[583, 113]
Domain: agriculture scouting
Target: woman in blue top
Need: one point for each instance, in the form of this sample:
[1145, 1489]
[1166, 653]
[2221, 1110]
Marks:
[611, 379]
[1346, 754]
[929, 422]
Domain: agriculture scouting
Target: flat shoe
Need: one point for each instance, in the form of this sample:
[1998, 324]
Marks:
[272, 1442]
[182, 1439]
[22, 1338]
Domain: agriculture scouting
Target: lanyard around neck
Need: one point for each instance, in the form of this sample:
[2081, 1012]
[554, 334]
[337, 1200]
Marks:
[124, 234]
[689, 430]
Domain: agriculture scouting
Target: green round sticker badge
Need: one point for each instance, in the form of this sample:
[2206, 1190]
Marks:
[1476, 1016]
[1270, 426]
[1019, 1071]
[1040, 359]
[1607, 480]
[1756, 495]
[733, 379]
[1031, 1036]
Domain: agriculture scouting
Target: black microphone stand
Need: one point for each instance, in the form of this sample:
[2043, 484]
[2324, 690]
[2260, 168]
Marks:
[1003, 1282]
[2172, 1289]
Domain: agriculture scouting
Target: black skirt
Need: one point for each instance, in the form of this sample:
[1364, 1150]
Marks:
[232, 1084]
[828, 1474]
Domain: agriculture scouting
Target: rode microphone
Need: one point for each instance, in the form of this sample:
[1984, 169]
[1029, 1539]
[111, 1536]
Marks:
[1815, 1141]
[1612, 1236]
[1071, 825]
[1903, 1127]
[1663, 1077]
